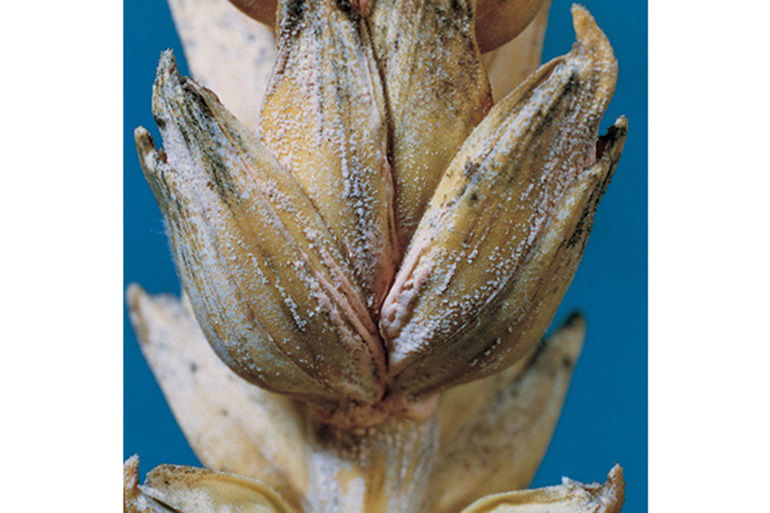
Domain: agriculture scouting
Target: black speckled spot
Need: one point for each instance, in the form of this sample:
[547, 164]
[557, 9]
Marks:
[461, 8]
[346, 7]
[470, 168]
[294, 12]
[160, 122]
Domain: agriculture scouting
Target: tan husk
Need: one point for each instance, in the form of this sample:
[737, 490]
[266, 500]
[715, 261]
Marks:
[324, 118]
[230, 53]
[231, 425]
[501, 423]
[505, 229]
[569, 497]
[180, 489]
[436, 91]
[375, 238]
[274, 294]
[495, 431]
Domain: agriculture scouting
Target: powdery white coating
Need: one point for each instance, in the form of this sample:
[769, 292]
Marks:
[280, 294]
[436, 92]
[482, 260]
[287, 265]
[279, 312]
[324, 117]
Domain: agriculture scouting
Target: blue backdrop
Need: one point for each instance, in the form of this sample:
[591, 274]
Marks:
[605, 416]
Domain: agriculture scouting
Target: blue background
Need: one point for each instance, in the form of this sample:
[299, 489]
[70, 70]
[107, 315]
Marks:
[605, 416]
